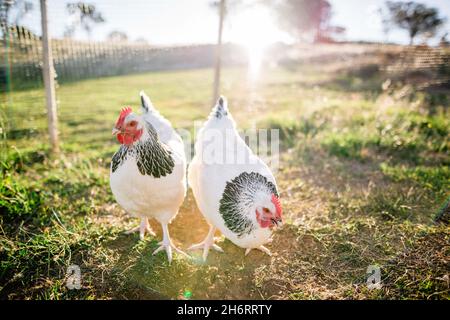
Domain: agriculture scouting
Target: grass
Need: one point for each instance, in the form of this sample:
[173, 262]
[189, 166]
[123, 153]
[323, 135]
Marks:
[363, 173]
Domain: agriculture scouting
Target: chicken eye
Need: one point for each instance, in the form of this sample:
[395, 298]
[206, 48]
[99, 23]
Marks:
[265, 210]
[132, 123]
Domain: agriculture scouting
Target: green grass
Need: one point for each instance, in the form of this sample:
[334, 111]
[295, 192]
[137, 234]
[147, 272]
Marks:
[362, 175]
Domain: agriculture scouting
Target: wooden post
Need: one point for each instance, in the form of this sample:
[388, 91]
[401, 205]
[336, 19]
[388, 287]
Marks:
[49, 80]
[218, 61]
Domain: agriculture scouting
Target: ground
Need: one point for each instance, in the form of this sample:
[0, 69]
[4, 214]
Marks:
[363, 178]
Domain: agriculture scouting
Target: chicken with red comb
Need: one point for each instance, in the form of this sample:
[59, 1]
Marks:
[147, 175]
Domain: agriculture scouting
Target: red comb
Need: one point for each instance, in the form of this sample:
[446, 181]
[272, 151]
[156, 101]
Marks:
[123, 113]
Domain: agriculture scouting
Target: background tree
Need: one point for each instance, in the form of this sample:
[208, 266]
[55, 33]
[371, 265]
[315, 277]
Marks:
[302, 17]
[443, 42]
[117, 36]
[83, 15]
[414, 17]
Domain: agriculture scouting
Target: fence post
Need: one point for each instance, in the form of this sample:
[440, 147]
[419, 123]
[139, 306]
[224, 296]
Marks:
[218, 53]
[49, 80]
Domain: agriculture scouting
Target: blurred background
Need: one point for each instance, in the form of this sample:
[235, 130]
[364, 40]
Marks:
[108, 38]
[359, 91]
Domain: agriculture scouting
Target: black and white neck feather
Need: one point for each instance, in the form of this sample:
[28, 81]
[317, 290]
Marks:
[221, 108]
[239, 199]
[152, 157]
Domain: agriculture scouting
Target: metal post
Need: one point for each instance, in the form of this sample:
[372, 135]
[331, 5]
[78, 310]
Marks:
[49, 80]
[218, 53]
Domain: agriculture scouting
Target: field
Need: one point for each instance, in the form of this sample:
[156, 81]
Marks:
[364, 178]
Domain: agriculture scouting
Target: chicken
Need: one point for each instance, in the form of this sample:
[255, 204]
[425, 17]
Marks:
[148, 172]
[234, 189]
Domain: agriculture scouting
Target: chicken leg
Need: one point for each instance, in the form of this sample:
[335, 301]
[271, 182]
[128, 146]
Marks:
[207, 243]
[167, 244]
[261, 248]
[142, 228]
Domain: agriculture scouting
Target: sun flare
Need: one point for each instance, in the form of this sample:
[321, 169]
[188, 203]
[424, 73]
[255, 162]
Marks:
[255, 30]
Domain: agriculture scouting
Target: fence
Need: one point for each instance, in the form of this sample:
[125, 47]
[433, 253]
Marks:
[78, 60]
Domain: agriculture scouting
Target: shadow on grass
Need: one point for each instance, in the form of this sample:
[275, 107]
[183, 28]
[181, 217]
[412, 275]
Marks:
[225, 276]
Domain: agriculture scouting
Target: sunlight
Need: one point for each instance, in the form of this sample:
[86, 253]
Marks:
[254, 29]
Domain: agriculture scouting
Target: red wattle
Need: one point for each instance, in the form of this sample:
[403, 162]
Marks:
[120, 138]
[263, 223]
[128, 138]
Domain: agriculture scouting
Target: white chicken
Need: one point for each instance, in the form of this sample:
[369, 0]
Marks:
[148, 172]
[234, 189]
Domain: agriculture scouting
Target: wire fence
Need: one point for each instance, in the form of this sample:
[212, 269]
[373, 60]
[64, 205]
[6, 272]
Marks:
[78, 60]
[84, 53]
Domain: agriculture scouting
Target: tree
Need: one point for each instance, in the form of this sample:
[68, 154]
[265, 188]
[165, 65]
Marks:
[117, 36]
[443, 42]
[82, 15]
[416, 18]
[300, 17]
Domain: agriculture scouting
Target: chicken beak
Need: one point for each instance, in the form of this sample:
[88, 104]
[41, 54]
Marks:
[115, 131]
[277, 222]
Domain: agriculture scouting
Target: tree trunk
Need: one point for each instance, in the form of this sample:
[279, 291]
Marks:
[49, 80]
